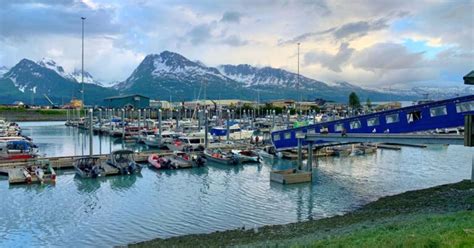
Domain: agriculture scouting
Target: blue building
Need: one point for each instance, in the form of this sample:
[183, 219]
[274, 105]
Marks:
[127, 101]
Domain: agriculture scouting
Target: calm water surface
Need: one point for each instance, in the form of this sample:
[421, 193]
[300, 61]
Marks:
[125, 209]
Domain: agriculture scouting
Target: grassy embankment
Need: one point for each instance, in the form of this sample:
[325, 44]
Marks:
[441, 216]
[22, 114]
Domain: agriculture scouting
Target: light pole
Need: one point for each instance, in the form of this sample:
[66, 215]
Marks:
[82, 70]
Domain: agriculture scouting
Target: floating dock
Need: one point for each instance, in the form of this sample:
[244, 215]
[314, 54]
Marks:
[291, 176]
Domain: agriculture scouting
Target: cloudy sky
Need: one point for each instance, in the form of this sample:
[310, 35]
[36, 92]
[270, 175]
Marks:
[371, 43]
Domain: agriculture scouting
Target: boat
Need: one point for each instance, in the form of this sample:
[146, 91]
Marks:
[159, 141]
[221, 157]
[40, 171]
[124, 161]
[193, 160]
[17, 149]
[187, 143]
[235, 132]
[161, 162]
[144, 134]
[89, 167]
[269, 152]
[247, 156]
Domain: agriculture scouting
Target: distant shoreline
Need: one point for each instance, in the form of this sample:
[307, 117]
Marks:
[440, 216]
[21, 114]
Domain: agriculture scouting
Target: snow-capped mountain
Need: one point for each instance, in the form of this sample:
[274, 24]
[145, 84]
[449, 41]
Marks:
[3, 70]
[252, 76]
[51, 64]
[432, 92]
[160, 75]
[174, 66]
[88, 79]
[28, 79]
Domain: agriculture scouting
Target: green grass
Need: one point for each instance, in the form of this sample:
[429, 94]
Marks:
[441, 216]
[451, 230]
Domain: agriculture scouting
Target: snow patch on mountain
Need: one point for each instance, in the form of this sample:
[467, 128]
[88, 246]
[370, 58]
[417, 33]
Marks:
[51, 64]
[3, 70]
[88, 79]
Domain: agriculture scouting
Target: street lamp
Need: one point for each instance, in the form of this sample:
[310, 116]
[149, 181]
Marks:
[82, 70]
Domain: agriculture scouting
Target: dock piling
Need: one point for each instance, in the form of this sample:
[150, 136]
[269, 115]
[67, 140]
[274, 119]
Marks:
[205, 130]
[91, 131]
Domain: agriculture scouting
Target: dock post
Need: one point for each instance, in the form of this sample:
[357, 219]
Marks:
[123, 128]
[300, 154]
[178, 115]
[228, 125]
[472, 170]
[159, 122]
[199, 119]
[288, 119]
[273, 120]
[309, 162]
[205, 130]
[139, 119]
[91, 131]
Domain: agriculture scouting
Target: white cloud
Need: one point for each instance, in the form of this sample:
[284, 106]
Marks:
[358, 42]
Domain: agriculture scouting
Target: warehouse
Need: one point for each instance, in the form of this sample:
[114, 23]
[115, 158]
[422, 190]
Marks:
[127, 101]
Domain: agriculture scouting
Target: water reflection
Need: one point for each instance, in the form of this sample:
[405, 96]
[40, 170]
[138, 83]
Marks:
[123, 182]
[118, 210]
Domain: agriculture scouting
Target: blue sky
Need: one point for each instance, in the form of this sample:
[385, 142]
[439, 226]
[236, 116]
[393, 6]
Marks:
[381, 43]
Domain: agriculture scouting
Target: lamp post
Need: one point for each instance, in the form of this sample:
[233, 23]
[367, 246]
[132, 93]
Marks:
[82, 70]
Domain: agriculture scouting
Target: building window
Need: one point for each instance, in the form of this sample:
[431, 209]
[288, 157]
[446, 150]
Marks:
[373, 122]
[355, 124]
[465, 106]
[392, 118]
[414, 116]
[339, 127]
[288, 135]
[276, 137]
[438, 111]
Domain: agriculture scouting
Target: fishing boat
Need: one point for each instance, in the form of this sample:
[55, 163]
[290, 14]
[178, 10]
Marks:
[193, 160]
[124, 161]
[17, 149]
[89, 167]
[161, 162]
[247, 156]
[40, 171]
[221, 157]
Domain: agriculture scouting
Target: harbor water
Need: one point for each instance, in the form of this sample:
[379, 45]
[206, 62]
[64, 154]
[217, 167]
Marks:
[120, 210]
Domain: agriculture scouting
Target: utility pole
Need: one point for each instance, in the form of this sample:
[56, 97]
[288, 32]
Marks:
[298, 78]
[82, 70]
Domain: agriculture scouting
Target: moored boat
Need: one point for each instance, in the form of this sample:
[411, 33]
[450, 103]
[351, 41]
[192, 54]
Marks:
[89, 167]
[193, 160]
[247, 156]
[161, 162]
[124, 161]
[40, 171]
[221, 157]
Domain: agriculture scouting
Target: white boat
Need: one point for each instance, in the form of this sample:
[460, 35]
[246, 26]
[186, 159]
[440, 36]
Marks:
[158, 141]
[235, 133]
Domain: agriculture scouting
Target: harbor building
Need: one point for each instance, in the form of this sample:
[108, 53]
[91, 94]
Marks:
[127, 101]
[469, 78]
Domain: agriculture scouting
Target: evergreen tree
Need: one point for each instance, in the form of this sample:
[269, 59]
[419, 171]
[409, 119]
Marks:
[354, 101]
